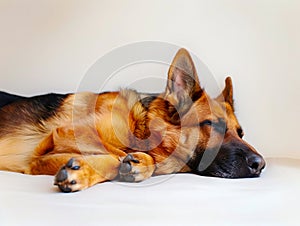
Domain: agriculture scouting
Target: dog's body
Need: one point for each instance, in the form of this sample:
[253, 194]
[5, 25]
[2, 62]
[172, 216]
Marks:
[88, 138]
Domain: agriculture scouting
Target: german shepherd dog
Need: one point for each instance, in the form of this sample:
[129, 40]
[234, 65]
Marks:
[88, 138]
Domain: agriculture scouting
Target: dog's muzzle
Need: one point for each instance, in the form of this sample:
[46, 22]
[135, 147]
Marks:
[234, 159]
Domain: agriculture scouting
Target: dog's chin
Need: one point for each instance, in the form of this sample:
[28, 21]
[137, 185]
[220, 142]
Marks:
[231, 175]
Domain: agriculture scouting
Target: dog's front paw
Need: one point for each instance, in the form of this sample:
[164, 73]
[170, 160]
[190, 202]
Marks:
[71, 177]
[136, 167]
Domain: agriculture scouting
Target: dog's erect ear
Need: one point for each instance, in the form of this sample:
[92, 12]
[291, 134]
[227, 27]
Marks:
[183, 84]
[227, 93]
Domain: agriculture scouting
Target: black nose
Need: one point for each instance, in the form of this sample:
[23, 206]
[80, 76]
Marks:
[255, 163]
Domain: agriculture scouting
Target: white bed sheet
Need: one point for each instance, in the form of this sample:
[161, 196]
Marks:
[182, 199]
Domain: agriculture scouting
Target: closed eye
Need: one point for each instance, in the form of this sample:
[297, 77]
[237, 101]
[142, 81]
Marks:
[220, 126]
[206, 123]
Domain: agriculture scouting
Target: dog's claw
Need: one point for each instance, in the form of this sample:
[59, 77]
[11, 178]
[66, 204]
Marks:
[65, 189]
[75, 167]
[70, 163]
[129, 158]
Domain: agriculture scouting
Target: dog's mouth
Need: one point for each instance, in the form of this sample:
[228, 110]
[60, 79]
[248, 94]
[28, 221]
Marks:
[229, 172]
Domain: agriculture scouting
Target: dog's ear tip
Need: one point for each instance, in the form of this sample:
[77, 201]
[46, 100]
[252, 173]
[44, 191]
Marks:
[228, 83]
[228, 80]
[184, 54]
[183, 50]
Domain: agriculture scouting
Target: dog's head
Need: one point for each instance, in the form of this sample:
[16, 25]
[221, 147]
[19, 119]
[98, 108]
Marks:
[219, 148]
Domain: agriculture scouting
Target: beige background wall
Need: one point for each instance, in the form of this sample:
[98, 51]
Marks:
[49, 45]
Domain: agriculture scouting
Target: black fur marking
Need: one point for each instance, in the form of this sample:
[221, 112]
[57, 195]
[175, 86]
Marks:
[147, 101]
[197, 95]
[29, 111]
[44, 106]
[7, 98]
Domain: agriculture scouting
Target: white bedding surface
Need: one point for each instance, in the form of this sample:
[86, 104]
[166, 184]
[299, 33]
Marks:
[182, 199]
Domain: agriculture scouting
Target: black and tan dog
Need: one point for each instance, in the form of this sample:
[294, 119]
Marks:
[88, 138]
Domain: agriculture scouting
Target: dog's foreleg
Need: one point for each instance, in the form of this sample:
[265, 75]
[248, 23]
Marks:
[83, 172]
[76, 172]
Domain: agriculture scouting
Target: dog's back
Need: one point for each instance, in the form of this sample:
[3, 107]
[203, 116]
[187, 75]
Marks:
[22, 126]
[7, 98]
